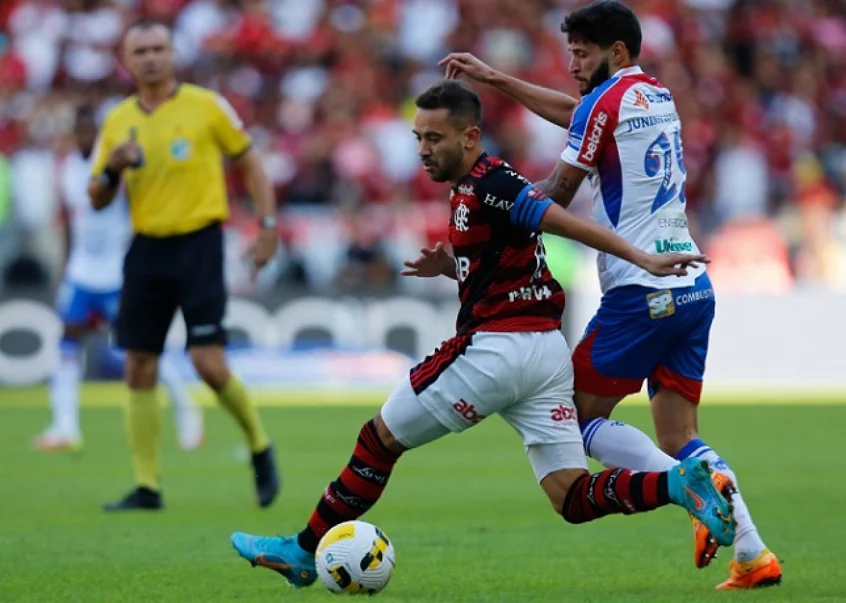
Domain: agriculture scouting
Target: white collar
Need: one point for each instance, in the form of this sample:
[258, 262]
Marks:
[633, 70]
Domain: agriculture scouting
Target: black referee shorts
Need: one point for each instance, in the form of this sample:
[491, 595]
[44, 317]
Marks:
[161, 275]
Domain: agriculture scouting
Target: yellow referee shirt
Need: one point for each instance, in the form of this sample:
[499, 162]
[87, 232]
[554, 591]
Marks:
[180, 186]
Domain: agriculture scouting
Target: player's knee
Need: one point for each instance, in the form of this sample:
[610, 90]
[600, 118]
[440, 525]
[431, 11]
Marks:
[387, 438]
[591, 406]
[557, 485]
[211, 366]
[141, 370]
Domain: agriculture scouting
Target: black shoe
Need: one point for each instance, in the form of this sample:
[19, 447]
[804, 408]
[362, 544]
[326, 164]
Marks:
[267, 478]
[140, 498]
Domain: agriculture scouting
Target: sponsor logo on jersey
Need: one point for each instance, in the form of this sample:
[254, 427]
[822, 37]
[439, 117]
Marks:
[563, 414]
[694, 296]
[660, 97]
[673, 246]
[466, 189]
[497, 203]
[518, 175]
[661, 304]
[597, 127]
[468, 412]
[529, 293]
[640, 100]
[648, 121]
[672, 222]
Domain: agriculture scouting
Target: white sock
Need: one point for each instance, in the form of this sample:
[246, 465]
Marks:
[174, 384]
[64, 390]
[747, 542]
[615, 444]
[188, 415]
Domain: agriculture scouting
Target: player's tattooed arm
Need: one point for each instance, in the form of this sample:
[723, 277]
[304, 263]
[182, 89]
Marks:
[562, 183]
[563, 223]
[552, 105]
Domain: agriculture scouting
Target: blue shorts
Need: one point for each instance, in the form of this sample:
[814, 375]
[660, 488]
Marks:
[79, 306]
[642, 333]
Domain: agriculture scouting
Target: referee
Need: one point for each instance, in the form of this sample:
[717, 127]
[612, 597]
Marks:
[166, 145]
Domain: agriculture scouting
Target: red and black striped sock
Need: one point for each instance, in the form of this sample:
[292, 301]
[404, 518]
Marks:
[615, 491]
[356, 490]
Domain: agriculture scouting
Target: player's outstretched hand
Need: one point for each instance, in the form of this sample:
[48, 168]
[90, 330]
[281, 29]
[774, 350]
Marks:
[466, 64]
[672, 264]
[262, 249]
[432, 262]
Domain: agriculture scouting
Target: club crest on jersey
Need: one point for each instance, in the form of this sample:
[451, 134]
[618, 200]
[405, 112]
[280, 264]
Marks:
[461, 218]
[640, 100]
[180, 149]
[661, 304]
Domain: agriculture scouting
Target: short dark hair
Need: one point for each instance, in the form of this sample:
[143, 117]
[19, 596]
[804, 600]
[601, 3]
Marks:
[85, 113]
[462, 104]
[147, 23]
[603, 23]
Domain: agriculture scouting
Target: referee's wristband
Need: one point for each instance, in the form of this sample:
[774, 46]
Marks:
[111, 178]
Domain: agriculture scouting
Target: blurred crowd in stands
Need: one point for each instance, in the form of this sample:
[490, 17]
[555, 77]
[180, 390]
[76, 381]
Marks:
[327, 89]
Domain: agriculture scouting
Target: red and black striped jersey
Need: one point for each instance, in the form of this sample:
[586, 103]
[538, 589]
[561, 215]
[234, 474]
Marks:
[504, 284]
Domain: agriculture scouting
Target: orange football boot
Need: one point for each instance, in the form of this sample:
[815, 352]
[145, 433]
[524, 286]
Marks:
[704, 545]
[764, 570]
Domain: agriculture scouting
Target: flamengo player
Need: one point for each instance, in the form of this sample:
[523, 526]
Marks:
[625, 136]
[505, 358]
[91, 292]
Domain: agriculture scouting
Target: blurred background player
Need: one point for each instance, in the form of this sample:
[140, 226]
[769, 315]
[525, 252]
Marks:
[167, 145]
[90, 292]
[625, 135]
[505, 357]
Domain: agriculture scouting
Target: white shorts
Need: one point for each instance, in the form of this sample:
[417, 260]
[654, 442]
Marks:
[526, 378]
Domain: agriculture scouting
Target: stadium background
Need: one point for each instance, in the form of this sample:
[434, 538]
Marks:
[327, 89]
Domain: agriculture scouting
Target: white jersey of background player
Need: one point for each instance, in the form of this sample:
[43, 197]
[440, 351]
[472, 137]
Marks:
[90, 295]
[625, 138]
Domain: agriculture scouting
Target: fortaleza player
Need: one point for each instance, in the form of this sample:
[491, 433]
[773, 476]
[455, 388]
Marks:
[625, 137]
[505, 358]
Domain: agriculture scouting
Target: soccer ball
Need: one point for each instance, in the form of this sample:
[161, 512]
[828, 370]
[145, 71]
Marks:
[355, 557]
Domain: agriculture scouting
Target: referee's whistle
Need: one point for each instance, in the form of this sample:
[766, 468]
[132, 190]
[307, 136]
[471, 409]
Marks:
[133, 136]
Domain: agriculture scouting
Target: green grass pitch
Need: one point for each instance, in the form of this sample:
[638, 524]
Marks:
[466, 518]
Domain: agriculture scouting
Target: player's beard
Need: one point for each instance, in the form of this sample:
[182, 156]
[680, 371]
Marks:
[448, 165]
[599, 75]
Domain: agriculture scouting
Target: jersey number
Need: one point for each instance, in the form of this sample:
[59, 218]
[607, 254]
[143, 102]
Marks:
[659, 156]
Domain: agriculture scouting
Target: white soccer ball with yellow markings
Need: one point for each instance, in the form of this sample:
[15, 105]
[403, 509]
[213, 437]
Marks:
[355, 557]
